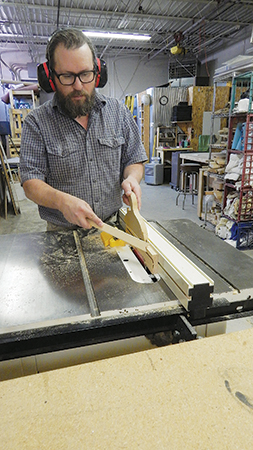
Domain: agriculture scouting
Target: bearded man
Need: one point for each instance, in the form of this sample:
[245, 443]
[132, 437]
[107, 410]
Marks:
[81, 151]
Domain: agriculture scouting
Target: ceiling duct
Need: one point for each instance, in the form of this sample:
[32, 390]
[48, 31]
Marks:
[182, 67]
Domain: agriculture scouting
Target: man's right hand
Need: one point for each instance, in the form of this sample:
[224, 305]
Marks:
[77, 211]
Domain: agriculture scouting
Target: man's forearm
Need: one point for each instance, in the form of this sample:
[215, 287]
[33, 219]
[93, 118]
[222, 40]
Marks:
[135, 170]
[44, 195]
[132, 178]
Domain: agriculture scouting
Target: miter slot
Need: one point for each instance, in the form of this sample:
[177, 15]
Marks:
[94, 309]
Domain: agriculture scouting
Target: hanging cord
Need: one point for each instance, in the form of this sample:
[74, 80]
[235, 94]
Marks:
[207, 71]
[204, 39]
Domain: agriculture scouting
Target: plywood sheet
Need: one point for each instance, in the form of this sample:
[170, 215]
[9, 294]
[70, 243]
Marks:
[202, 100]
[195, 395]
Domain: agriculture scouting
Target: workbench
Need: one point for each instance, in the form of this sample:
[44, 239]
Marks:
[161, 151]
[198, 157]
[46, 305]
[194, 395]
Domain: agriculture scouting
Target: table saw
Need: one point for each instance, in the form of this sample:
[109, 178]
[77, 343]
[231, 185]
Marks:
[62, 290]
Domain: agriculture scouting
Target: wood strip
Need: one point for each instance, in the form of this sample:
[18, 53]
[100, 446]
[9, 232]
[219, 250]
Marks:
[7, 179]
[134, 221]
[128, 238]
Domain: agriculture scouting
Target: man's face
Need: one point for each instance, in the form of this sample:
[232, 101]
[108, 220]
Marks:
[75, 100]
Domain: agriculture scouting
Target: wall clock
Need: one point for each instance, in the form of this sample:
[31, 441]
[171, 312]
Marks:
[163, 100]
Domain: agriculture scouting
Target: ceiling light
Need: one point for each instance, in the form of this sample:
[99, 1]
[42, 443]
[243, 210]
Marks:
[108, 35]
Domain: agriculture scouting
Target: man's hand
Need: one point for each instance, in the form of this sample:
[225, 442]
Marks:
[133, 175]
[77, 211]
[129, 185]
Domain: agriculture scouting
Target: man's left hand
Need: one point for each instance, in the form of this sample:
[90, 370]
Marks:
[129, 185]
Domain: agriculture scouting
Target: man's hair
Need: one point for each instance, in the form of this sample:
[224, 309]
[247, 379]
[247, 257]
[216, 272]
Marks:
[71, 38]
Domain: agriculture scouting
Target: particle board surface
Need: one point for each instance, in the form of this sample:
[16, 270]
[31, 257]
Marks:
[202, 100]
[194, 395]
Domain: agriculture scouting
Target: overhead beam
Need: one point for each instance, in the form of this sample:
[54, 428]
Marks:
[144, 17]
[42, 40]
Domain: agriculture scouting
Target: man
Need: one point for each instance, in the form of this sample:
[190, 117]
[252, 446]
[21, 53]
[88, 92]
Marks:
[80, 149]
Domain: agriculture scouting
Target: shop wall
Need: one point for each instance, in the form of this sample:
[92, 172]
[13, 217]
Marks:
[131, 75]
[216, 60]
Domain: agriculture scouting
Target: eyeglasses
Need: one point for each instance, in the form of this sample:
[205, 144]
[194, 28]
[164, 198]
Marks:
[67, 79]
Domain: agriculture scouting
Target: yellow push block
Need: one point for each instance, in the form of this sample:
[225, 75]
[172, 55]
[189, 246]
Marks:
[116, 242]
[108, 239]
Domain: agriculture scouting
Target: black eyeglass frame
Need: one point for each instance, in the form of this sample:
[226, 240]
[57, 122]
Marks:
[75, 75]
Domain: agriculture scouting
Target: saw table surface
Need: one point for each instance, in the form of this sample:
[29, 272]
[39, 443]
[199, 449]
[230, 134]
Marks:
[227, 266]
[41, 281]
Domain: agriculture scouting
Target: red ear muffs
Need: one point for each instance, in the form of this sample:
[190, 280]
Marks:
[46, 83]
[101, 73]
[44, 77]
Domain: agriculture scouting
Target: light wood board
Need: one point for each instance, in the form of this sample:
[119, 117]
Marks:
[195, 395]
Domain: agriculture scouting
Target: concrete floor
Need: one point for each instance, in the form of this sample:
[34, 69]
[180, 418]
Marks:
[158, 203]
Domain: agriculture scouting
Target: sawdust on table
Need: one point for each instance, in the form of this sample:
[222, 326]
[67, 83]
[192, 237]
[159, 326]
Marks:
[61, 264]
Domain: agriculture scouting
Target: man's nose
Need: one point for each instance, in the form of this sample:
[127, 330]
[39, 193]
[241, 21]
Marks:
[78, 84]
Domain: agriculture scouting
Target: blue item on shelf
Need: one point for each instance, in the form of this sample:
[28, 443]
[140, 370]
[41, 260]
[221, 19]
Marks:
[239, 144]
[237, 137]
[234, 232]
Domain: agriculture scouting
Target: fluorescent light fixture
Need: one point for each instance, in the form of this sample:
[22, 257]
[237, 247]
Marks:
[108, 35]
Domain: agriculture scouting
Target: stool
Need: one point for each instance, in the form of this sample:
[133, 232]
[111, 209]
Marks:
[188, 181]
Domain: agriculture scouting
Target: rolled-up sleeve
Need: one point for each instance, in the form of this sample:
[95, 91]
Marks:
[33, 157]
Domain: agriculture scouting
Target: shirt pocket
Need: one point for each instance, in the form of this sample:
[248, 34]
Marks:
[110, 148]
[62, 163]
[58, 151]
[111, 141]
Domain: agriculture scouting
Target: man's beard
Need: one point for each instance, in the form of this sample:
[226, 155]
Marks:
[77, 108]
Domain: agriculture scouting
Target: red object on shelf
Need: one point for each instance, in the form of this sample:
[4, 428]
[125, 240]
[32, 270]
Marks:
[245, 211]
[245, 194]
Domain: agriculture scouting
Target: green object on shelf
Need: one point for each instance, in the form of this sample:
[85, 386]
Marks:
[204, 140]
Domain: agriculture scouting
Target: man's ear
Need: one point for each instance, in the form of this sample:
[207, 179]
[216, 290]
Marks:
[45, 77]
[101, 75]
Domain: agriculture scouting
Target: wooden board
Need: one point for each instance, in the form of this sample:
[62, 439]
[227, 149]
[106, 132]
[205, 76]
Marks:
[17, 117]
[202, 99]
[126, 237]
[134, 221]
[186, 396]
[8, 183]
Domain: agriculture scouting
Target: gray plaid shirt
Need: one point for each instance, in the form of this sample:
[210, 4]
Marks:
[87, 164]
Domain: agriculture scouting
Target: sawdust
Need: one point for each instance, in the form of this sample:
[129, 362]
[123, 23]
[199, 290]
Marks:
[60, 263]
